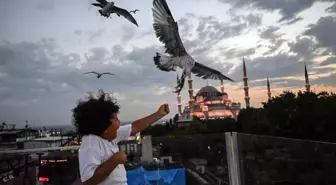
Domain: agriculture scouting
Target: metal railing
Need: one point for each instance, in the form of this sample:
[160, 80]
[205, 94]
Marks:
[240, 159]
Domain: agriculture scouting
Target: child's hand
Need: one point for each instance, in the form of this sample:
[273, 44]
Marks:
[120, 157]
[163, 110]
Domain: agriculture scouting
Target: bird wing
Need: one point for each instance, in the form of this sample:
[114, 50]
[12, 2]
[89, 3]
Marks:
[125, 14]
[107, 73]
[98, 5]
[92, 72]
[166, 28]
[103, 2]
[205, 72]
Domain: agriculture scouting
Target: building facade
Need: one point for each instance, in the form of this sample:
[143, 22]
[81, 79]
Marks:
[12, 138]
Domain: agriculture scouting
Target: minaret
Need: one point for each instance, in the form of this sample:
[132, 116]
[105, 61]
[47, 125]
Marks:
[179, 106]
[307, 80]
[191, 96]
[269, 90]
[222, 86]
[246, 88]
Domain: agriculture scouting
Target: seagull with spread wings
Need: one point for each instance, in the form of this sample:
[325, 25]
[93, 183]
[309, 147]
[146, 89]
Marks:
[166, 30]
[99, 74]
[107, 8]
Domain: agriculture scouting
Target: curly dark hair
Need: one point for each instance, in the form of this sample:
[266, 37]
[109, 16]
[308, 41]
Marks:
[92, 115]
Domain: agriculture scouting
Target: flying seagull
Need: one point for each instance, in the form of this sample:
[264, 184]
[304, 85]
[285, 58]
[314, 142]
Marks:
[99, 74]
[134, 11]
[166, 30]
[107, 8]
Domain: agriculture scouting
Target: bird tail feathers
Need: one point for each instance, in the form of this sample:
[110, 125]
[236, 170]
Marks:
[163, 62]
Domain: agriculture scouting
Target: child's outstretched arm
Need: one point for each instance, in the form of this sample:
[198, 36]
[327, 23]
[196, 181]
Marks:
[141, 124]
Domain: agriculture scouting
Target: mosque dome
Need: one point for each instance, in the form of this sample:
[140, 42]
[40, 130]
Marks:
[208, 89]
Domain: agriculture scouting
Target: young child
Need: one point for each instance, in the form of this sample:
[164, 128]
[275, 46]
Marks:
[100, 161]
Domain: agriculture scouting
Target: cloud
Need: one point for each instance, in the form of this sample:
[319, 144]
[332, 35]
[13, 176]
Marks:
[119, 97]
[78, 32]
[270, 33]
[94, 35]
[277, 66]
[303, 47]
[288, 9]
[328, 61]
[97, 54]
[251, 19]
[45, 5]
[331, 9]
[129, 33]
[42, 78]
[271, 40]
[231, 53]
[326, 80]
[323, 31]
[295, 20]
[39, 77]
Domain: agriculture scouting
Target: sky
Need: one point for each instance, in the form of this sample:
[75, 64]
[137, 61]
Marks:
[46, 46]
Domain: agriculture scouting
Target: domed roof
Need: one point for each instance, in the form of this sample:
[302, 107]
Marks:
[207, 89]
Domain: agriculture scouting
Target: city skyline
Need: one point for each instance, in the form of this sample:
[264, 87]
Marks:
[47, 46]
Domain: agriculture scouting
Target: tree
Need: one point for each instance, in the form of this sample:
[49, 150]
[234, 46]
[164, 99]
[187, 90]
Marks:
[302, 115]
[167, 126]
[175, 118]
[196, 127]
[157, 130]
[255, 121]
[221, 125]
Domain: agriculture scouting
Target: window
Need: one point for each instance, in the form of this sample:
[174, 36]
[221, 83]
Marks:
[132, 148]
[122, 148]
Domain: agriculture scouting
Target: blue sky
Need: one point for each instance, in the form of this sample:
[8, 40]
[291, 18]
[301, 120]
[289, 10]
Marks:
[46, 46]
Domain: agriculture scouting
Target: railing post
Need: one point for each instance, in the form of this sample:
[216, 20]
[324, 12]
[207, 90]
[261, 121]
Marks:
[38, 166]
[232, 158]
[26, 166]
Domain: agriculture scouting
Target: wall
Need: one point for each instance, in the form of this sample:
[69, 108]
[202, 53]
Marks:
[41, 144]
[147, 149]
[35, 144]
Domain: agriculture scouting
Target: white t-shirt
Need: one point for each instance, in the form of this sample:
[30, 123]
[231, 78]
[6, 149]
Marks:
[95, 150]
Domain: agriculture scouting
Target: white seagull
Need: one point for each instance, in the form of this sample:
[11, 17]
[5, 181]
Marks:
[99, 74]
[166, 30]
[107, 8]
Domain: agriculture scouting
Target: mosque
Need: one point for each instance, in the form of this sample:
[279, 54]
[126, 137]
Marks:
[210, 103]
